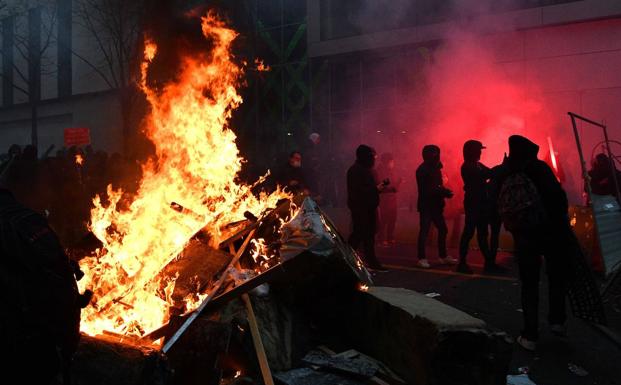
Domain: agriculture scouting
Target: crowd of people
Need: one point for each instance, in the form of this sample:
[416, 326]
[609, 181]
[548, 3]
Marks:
[522, 193]
[62, 186]
[55, 196]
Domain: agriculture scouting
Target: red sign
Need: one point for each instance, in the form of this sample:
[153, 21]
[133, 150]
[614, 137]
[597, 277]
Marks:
[77, 136]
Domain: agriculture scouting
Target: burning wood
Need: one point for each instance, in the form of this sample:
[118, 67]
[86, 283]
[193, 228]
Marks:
[196, 167]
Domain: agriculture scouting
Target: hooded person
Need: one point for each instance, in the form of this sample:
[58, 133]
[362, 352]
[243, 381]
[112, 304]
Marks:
[40, 299]
[363, 199]
[475, 176]
[533, 206]
[431, 201]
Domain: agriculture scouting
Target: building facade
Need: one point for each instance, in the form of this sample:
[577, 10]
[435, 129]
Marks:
[40, 44]
[376, 57]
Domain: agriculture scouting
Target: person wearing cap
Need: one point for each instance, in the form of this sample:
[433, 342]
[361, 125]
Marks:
[475, 175]
[432, 195]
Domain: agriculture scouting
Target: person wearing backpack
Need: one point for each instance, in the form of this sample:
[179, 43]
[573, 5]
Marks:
[533, 207]
[475, 176]
[40, 320]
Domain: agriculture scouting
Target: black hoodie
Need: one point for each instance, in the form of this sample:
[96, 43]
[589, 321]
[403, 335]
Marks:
[362, 192]
[523, 158]
[431, 190]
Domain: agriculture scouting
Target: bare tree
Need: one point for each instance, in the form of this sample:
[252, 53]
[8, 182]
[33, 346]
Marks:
[31, 43]
[114, 26]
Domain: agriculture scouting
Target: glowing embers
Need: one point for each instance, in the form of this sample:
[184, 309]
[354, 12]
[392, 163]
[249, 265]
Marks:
[196, 165]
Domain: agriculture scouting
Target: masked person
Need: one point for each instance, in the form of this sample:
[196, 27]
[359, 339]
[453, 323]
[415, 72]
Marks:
[533, 207]
[363, 199]
[431, 201]
[388, 199]
[293, 177]
[475, 175]
[40, 319]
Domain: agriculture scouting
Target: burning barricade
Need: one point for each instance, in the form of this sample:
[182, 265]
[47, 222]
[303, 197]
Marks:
[200, 280]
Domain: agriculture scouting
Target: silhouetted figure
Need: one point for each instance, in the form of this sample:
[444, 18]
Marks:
[497, 174]
[475, 175]
[292, 177]
[431, 197]
[602, 180]
[533, 206]
[40, 312]
[388, 199]
[363, 199]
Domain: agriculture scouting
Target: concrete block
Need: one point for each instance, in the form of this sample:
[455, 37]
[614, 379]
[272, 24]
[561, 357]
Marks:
[425, 341]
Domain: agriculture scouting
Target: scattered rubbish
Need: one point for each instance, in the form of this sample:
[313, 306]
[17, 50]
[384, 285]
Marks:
[577, 370]
[523, 370]
[520, 310]
[432, 295]
[521, 379]
[342, 365]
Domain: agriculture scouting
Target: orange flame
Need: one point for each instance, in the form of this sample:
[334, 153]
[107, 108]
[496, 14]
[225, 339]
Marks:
[196, 165]
[79, 160]
[261, 66]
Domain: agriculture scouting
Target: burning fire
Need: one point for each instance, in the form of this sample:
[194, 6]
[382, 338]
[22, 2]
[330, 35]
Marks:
[79, 160]
[196, 165]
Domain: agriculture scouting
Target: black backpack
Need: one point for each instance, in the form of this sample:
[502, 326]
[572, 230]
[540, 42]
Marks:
[519, 203]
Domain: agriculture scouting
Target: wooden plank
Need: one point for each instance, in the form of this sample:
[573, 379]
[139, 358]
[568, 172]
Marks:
[258, 343]
[225, 297]
[169, 344]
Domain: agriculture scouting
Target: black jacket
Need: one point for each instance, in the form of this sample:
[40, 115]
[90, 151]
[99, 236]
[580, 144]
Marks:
[475, 176]
[362, 192]
[431, 190]
[523, 158]
[293, 179]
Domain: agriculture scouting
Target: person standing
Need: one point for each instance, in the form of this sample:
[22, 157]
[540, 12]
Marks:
[431, 201]
[601, 174]
[475, 175]
[363, 199]
[497, 174]
[388, 199]
[292, 177]
[533, 207]
[40, 316]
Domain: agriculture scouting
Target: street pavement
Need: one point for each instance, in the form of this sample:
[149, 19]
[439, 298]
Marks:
[496, 300]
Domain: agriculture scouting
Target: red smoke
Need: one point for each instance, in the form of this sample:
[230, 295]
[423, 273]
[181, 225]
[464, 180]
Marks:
[471, 97]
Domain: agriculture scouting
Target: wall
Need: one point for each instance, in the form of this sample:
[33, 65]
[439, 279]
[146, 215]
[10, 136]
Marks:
[566, 57]
[97, 111]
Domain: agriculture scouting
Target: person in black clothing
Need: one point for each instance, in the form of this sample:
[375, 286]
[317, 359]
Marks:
[388, 199]
[293, 177]
[475, 175]
[552, 239]
[40, 313]
[495, 221]
[363, 199]
[431, 197]
[602, 180]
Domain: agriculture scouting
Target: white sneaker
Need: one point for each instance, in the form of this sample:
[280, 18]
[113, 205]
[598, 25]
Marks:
[448, 261]
[527, 344]
[423, 263]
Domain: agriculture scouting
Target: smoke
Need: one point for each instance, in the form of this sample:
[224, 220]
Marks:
[463, 91]
[470, 96]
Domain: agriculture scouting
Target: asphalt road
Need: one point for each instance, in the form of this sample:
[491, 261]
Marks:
[496, 300]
